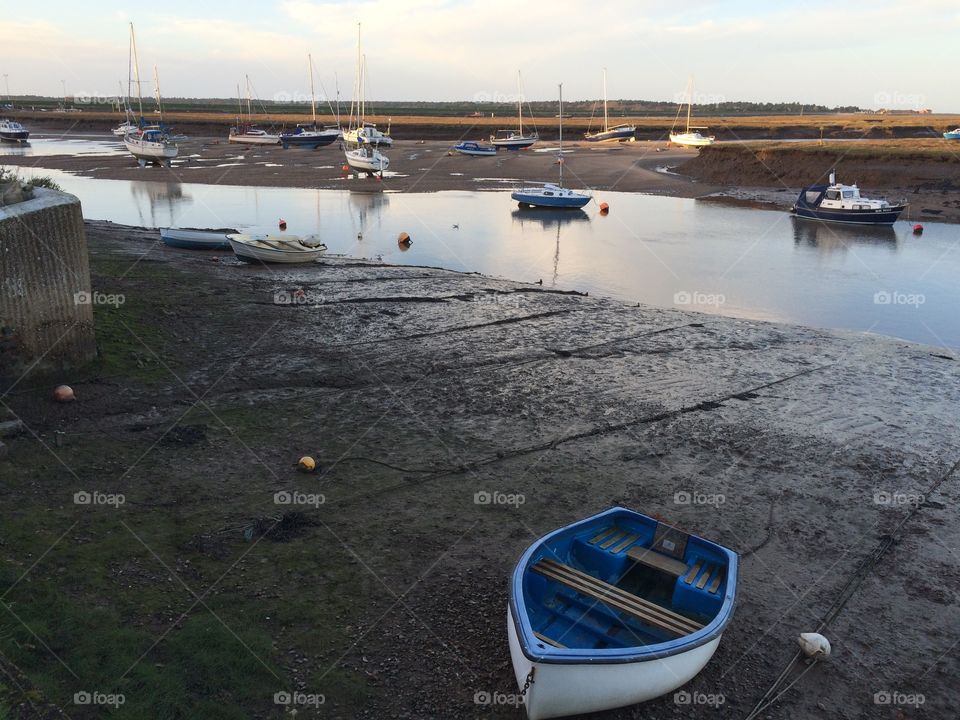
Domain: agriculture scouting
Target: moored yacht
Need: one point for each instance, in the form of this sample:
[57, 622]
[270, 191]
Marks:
[840, 203]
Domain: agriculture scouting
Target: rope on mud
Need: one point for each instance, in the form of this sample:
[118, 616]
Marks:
[859, 575]
[388, 465]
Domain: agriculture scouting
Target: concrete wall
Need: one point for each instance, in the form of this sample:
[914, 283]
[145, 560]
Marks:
[44, 280]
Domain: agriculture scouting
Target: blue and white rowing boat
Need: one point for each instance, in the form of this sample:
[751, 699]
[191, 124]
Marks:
[191, 239]
[614, 610]
[468, 147]
[952, 134]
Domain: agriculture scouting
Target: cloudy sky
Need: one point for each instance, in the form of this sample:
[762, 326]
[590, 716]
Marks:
[893, 54]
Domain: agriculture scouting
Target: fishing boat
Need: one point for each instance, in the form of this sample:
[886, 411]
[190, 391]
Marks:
[840, 203]
[952, 134]
[367, 158]
[364, 132]
[515, 139]
[13, 131]
[468, 147]
[691, 137]
[614, 610]
[552, 195]
[618, 132]
[245, 131]
[196, 239]
[287, 249]
[313, 135]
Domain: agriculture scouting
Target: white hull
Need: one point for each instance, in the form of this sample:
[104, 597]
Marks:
[367, 136]
[124, 130]
[691, 139]
[150, 150]
[359, 160]
[559, 690]
[514, 143]
[256, 139]
[250, 249]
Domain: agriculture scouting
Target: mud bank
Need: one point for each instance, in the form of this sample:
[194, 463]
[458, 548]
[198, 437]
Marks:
[926, 173]
[826, 459]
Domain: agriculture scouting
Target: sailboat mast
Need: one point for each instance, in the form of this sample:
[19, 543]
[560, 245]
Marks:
[313, 97]
[606, 125]
[156, 85]
[136, 69]
[360, 103]
[560, 158]
[239, 105]
[520, 102]
[689, 101]
[249, 111]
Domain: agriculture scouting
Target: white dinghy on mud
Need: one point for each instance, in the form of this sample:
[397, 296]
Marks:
[615, 610]
[287, 249]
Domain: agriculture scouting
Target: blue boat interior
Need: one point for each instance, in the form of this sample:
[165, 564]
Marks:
[623, 581]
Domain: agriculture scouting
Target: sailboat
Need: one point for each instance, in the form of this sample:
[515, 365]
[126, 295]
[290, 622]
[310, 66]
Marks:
[550, 195]
[149, 143]
[365, 133]
[247, 132]
[312, 135]
[515, 139]
[618, 132]
[692, 137]
[127, 126]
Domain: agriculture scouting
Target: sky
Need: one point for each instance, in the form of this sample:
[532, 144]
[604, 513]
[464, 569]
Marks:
[875, 54]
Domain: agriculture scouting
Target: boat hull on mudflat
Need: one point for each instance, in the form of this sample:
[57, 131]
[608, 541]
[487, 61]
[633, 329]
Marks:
[150, 147]
[952, 135]
[561, 690]
[309, 138]
[614, 610]
[254, 138]
[617, 133]
[363, 159]
[189, 239]
[285, 250]
[475, 149]
[13, 132]
[691, 139]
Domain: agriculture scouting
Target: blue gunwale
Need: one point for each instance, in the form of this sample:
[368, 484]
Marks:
[537, 651]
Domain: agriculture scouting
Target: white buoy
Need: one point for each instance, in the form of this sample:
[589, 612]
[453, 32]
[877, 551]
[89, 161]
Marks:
[814, 645]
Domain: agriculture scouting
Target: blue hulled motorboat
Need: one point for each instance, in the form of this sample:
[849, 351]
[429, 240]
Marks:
[309, 136]
[13, 131]
[840, 203]
[468, 147]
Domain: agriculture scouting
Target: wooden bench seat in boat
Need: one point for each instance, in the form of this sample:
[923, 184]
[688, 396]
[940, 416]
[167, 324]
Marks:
[708, 576]
[644, 610]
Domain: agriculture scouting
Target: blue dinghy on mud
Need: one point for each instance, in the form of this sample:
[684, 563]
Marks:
[196, 239]
[614, 610]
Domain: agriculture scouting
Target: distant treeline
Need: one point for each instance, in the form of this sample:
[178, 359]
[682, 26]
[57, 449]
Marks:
[582, 108]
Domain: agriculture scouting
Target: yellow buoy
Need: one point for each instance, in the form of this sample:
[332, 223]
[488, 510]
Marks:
[306, 464]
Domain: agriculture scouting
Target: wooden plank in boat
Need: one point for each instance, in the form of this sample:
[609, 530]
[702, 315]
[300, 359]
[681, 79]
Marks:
[701, 583]
[630, 540]
[693, 572]
[718, 578]
[547, 640]
[650, 613]
[619, 535]
[656, 560]
[603, 534]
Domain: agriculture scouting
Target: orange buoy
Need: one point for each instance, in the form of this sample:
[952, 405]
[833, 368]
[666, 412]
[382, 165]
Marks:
[604, 208]
[345, 168]
[64, 393]
[918, 229]
[403, 239]
[283, 224]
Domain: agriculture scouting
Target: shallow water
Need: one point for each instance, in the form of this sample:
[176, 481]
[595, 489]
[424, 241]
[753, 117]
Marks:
[43, 145]
[656, 250]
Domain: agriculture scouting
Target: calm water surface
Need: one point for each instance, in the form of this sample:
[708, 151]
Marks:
[654, 250]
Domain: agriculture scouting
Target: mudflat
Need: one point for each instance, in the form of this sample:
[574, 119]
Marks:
[455, 418]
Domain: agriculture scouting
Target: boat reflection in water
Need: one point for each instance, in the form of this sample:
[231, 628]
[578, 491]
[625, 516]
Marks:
[164, 201]
[547, 219]
[367, 210]
[831, 238]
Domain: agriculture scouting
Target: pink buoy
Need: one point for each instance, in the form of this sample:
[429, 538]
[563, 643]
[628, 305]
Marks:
[918, 229]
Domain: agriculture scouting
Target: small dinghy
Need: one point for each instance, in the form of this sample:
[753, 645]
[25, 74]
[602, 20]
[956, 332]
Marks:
[614, 610]
[276, 248]
[952, 134]
[468, 147]
[192, 239]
